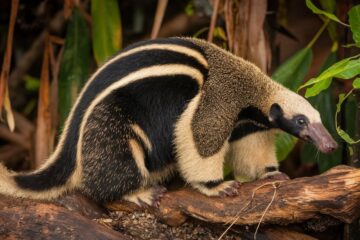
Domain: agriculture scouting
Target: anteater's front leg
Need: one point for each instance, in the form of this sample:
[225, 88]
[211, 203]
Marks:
[254, 156]
[204, 173]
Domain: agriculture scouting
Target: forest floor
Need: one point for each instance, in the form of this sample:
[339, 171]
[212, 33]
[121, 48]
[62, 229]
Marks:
[145, 225]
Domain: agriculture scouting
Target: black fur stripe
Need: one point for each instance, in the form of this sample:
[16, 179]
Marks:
[245, 129]
[250, 120]
[59, 172]
[271, 169]
[212, 184]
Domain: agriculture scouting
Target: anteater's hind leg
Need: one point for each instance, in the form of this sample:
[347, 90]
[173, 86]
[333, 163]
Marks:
[109, 169]
[113, 156]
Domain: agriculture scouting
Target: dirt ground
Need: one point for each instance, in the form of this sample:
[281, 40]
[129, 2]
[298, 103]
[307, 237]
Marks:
[145, 225]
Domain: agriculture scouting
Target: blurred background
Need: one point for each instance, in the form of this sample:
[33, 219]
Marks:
[48, 49]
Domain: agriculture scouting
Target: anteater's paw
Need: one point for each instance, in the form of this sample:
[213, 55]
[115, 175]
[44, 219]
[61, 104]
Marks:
[275, 175]
[147, 197]
[223, 189]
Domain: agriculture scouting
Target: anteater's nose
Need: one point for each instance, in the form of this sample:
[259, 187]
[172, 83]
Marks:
[330, 147]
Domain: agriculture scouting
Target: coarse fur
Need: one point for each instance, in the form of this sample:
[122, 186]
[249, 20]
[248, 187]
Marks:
[162, 106]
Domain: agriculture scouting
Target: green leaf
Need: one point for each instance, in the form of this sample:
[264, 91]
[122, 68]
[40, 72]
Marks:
[220, 33]
[75, 63]
[284, 145]
[341, 100]
[345, 69]
[31, 83]
[189, 9]
[354, 20]
[293, 71]
[328, 5]
[320, 86]
[356, 83]
[106, 29]
[350, 70]
[316, 10]
[340, 131]
[346, 136]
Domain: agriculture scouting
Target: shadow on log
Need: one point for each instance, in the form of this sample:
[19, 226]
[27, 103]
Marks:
[334, 194]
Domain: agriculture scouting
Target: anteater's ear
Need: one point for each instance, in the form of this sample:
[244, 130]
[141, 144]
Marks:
[275, 112]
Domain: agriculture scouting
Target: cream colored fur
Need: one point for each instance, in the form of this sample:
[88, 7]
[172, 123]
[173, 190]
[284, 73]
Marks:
[139, 157]
[294, 104]
[250, 155]
[142, 135]
[216, 191]
[141, 196]
[9, 187]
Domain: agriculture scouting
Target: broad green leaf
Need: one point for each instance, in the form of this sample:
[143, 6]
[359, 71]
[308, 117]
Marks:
[106, 29]
[293, 71]
[345, 69]
[350, 70]
[354, 20]
[284, 145]
[320, 86]
[75, 63]
[316, 10]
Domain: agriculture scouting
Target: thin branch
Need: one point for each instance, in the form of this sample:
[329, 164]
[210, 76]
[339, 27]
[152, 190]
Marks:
[160, 12]
[213, 20]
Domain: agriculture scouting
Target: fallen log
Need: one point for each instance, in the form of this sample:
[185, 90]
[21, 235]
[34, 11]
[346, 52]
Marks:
[333, 195]
[324, 200]
[28, 219]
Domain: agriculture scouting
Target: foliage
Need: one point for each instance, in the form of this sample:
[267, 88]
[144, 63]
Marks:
[75, 63]
[292, 72]
[106, 30]
[344, 69]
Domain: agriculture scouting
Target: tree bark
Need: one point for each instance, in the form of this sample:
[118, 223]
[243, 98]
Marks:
[334, 194]
[28, 219]
[317, 202]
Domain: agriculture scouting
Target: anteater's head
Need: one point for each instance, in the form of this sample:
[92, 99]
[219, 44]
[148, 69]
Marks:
[295, 115]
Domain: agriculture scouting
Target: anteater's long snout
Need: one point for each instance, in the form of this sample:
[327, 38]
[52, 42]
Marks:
[317, 134]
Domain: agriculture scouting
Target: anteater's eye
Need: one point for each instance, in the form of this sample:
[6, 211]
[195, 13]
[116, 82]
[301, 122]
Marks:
[300, 122]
